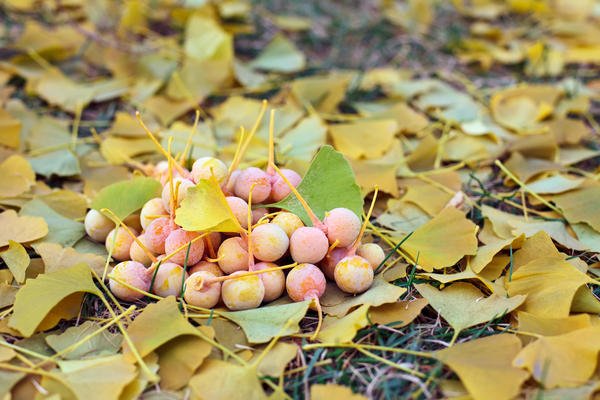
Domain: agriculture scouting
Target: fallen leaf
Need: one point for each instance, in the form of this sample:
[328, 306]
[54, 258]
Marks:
[65, 285]
[220, 380]
[280, 55]
[552, 326]
[103, 344]
[462, 305]
[485, 366]
[399, 314]
[21, 229]
[277, 359]
[580, 206]
[16, 259]
[56, 257]
[10, 129]
[61, 230]
[126, 197]
[343, 330]
[364, 138]
[17, 176]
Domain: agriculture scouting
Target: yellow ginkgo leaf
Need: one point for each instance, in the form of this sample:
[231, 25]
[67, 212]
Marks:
[364, 138]
[277, 358]
[220, 380]
[57, 257]
[552, 326]
[444, 240]
[566, 360]
[10, 129]
[117, 150]
[332, 391]
[21, 229]
[581, 206]
[549, 284]
[484, 366]
[16, 259]
[397, 314]
[17, 176]
[343, 330]
[205, 209]
[463, 305]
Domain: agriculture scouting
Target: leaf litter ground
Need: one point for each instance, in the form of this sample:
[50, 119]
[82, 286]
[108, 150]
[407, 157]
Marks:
[478, 123]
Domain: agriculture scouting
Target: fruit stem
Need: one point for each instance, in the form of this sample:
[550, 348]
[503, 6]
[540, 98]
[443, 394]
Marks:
[211, 249]
[315, 298]
[118, 221]
[365, 223]
[271, 163]
[315, 221]
[244, 145]
[333, 246]
[249, 273]
[167, 155]
[183, 246]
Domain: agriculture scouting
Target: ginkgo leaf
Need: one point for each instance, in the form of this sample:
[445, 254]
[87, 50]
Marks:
[565, 360]
[328, 183]
[331, 391]
[220, 380]
[119, 150]
[94, 379]
[299, 145]
[56, 257]
[159, 323]
[552, 326]
[364, 138]
[549, 284]
[61, 230]
[580, 206]
[280, 55]
[381, 292]
[16, 259]
[30, 310]
[17, 176]
[463, 305]
[343, 330]
[21, 229]
[71, 204]
[262, 324]
[103, 344]
[10, 129]
[484, 366]
[443, 241]
[181, 357]
[126, 197]
[397, 314]
[276, 360]
[206, 209]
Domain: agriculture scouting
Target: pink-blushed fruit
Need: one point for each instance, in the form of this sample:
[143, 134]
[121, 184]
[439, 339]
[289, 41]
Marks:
[97, 226]
[287, 221]
[182, 186]
[136, 253]
[279, 188]
[243, 293]
[353, 274]
[239, 208]
[205, 167]
[133, 221]
[258, 213]
[305, 281]
[120, 243]
[163, 177]
[233, 255]
[132, 273]
[273, 281]
[269, 242]
[332, 259]
[178, 238]
[200, 292]
[229, 187]
[253, 176]
[168, 280]
[157, 233]
[308, 245]
[342, 225]
[372, 252]
[151, 208]
[206, 266]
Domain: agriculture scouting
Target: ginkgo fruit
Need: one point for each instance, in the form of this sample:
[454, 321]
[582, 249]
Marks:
[133, 221]
[279, 188]
[239, 208]
[242, 292]
[353, 274]
[342, 225]
[233, 255]
[192, 250]
[133, 274]
[287, 221]
[152, 208]
[97, 226]
[332, 258]
[137, 253]
[305, 281]
[157, 233]
[255, 179]
[205, 167]
[181, 185]
[168, 279]
[372, 252]
[200, 291]
[229, 186]
[206, 266]
[258, 214]
[269, 242]
[119, 241]
[273, 281]
[308, 245]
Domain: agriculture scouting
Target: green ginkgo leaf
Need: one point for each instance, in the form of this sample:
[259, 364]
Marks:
[328, 183]
[123, 198]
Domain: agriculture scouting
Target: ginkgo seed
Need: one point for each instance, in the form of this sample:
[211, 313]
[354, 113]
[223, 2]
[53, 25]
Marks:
[242, 293]
[133, 274]
[308, 245]
[342, 225]
[353, 274]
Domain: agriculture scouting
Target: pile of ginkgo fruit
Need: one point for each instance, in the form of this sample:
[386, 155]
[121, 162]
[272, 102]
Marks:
[242, 270]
